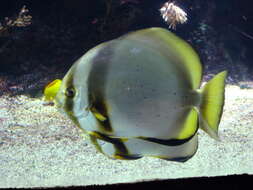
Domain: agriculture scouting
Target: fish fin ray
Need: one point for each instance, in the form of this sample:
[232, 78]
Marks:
[51, 89]
[212, 102]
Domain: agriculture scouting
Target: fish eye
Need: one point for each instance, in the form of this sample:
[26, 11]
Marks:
[70, 92]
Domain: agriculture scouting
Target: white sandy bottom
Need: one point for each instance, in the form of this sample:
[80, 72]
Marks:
[39, 147]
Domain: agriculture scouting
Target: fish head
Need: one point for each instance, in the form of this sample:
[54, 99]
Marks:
[71, 97]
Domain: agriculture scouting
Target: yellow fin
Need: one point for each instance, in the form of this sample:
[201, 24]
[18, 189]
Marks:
[98, 115]
[51, 89]
[168, 42]
[127, 157]
[190, 125]
[94, 134]
[212, 102]
[119, 157]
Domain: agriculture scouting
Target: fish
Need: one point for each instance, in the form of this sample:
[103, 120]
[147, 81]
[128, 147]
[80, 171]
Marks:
[140, 95]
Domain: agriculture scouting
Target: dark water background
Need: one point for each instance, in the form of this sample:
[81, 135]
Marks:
[63, 30]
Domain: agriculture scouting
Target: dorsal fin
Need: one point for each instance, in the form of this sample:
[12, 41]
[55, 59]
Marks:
[174, 46]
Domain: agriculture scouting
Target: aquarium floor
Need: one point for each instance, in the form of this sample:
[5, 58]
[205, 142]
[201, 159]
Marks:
[40, 147]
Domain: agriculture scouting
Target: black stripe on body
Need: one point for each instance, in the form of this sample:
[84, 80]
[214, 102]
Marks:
[121, 151]
[69, 103]
[98, 104]
[169, 142]
[180, 159]
[127, 157]
[118, 144]
[97, 83]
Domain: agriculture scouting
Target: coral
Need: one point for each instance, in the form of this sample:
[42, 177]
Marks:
[172, 14]
[22, 20]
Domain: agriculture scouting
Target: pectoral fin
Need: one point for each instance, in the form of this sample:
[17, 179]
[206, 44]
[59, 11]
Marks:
[98, 115]
[100, 111]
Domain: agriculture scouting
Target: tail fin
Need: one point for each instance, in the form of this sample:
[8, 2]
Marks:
[212, 102]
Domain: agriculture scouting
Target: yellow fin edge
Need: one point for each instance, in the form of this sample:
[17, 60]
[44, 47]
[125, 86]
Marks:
[51, 89]
[212, 102]
[188, 56]
[190, 125]
[98, 115]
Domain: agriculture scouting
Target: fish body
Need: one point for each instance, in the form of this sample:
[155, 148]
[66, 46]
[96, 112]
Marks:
[138, 95]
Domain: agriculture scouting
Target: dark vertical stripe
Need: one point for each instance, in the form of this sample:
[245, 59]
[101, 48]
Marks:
[68, 105]
[98, 104]
[97, 82]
